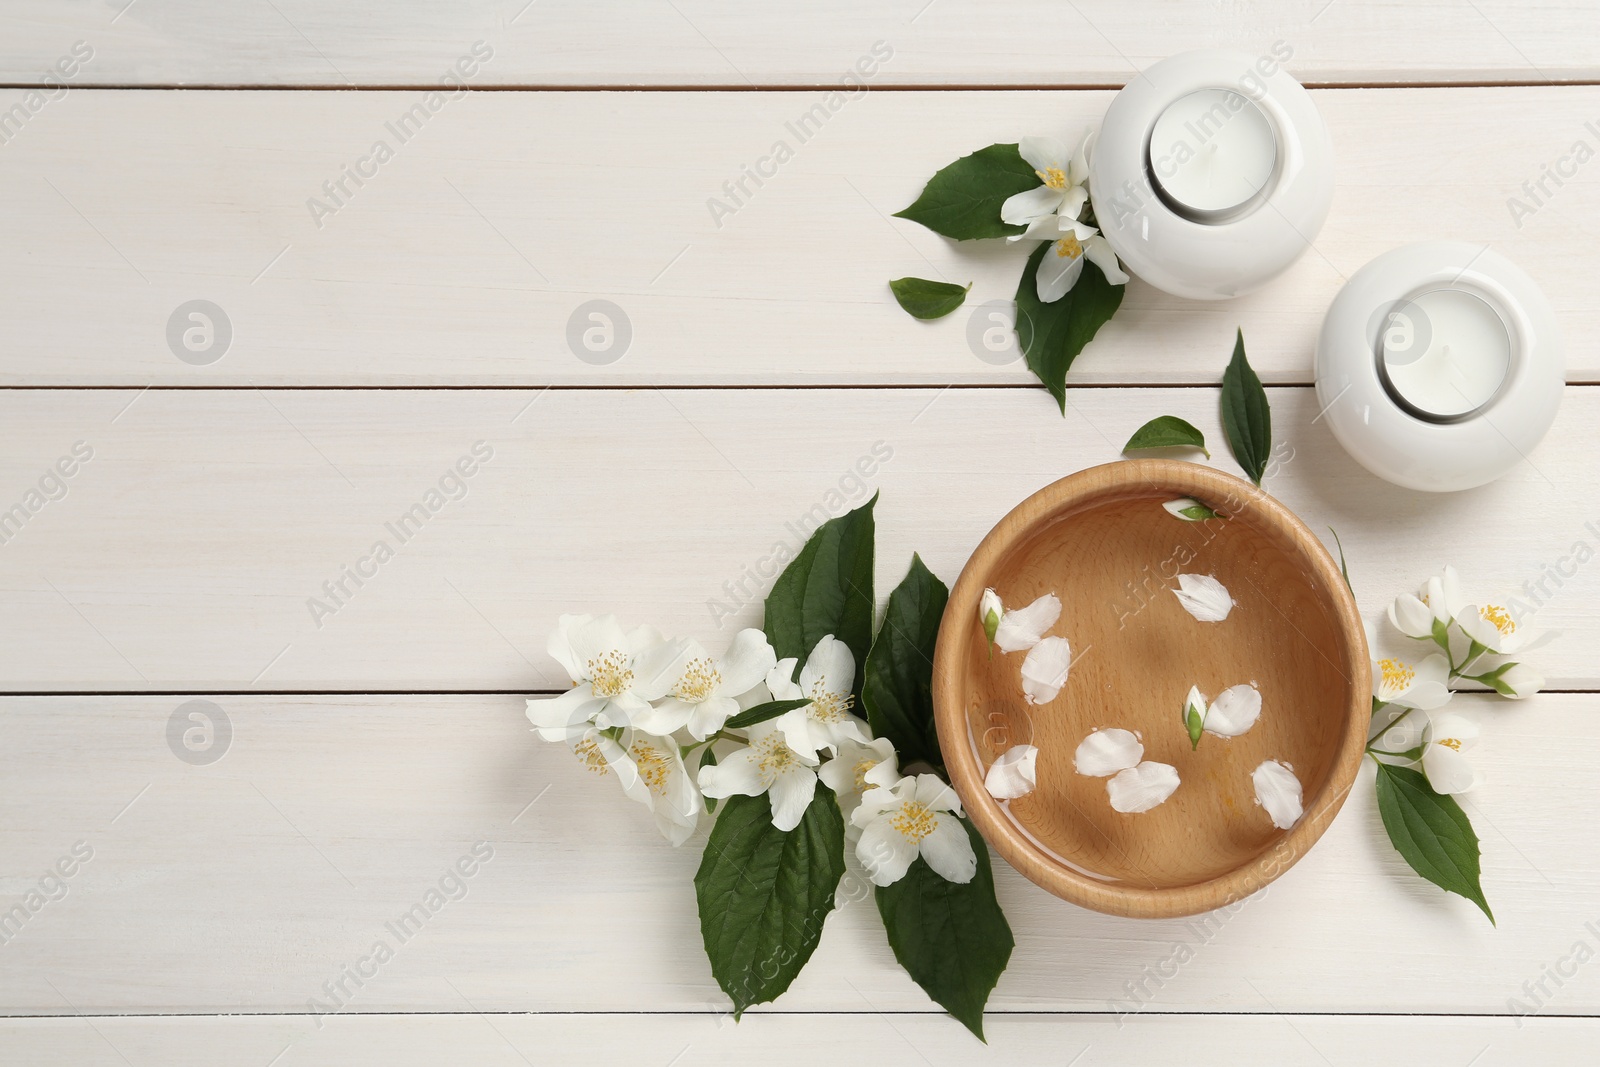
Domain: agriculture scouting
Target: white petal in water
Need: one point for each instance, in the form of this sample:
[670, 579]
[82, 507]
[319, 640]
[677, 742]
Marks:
[1044, 671]
[1013, 774]
[1106, 752]
[1203, 597]
[1022, 628]
[1278, 790]
[1235, 710]
[1143, 787]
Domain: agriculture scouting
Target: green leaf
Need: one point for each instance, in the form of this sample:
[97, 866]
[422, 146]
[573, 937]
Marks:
[1198, 512]
[1167, 431]
[827, 589]
[923, 299]
[1246, 416]
[764, 894]
[953, 940]
[1195, 723]
[898, 690]
[963, 200]
[1344, 568]
[1495, 680]
[1053, 334]
[1431, 832]
[762, 712]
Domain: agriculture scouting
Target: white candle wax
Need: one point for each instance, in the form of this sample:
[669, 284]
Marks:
[1211, 153]
[1445, 353]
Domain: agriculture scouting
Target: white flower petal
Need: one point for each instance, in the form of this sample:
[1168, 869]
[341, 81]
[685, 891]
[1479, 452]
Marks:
[564, 717]
[802, 733]
[1234, 711]
[707, 717]
[884, 852]
[948, 850]
[1043, 228]
[1203, 597]
[1278, 791]
[1106, 752]
[831, 664]
[791, 794]
[1058, 271]
[1022, 628]
[1072, 201]
[990, 612]
[1411, 616]
[1141, 788]
[1097, 250]
[780, 680]
[1447, 769]
[560, 644]
[880, 799]
[666, 716]
[747, 662]
[1043, 153]
[1044, 671]
[1519, 681]
[738, 774]
[1188, 509]
[1022, 208]
[932, 792]
[1078, 170]
[1013, 773]
[1448, 726]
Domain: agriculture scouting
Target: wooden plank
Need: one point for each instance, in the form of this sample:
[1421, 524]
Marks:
[858, 1039]
[695, 42]
[193, 548]
[246, 884]
[471, 255]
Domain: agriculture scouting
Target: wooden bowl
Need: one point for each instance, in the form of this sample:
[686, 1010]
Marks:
[1101, 541]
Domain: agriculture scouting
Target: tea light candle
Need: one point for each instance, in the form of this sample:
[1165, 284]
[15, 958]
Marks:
[1212, 152]
[1445, 354]
[1440, 366]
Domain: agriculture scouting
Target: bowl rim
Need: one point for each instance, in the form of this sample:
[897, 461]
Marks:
[1233, 496]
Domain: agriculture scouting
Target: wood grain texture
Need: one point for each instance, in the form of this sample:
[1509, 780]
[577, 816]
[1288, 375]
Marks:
[465, 258]
[858, 1040]
[697, 42]
[193, 549]
[1101, 541]
[246, 884]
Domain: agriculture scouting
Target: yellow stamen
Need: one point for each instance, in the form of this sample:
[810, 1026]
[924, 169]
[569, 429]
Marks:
[1450, 742]
[862, 767]
[1054, 177]
[915, 821]
[589, 754]
[829, 707]
[610, 675]
[1068, 247]
[700, 680]
[1497, 617]
[653, 765]
[1397, 676]
[773, 757]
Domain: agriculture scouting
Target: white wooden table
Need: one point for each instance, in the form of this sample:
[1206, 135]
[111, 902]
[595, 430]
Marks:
[371, 348]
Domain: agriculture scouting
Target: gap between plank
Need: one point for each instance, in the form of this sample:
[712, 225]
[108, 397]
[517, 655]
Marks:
[409, 87]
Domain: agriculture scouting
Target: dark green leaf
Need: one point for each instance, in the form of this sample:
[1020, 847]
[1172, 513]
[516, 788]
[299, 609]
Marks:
[708, 758]
[1431, 832]
[827, 589]
[898, 691]
[762, 712]
[953, 940]
[1053, 334]
[764, 894]
[1246, 416]
[1167, 431]
[963, 200]
[923, 299]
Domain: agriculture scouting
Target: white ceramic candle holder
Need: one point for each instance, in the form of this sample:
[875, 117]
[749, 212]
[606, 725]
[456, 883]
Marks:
[1440, 366]
[1211, 174]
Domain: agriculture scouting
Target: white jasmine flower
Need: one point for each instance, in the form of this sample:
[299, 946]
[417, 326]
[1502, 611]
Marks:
[705, 694]
[650, 771]
[1044, 671]
[915, 817]
[1061, 266]
[1424, 685]
[1514, 680]
[1412, 616]
[1021, 629]
[826, 681]
[1235, 710]
[858, 767]
[1493, 627]
[1203, 597]
[1278, 791]
[1142, 788]
[615, 675]
[1442, 595]
[1189, 509]
[1106, 752]
[1445, 740]
[770, 766]
[1063, 192]
[1194, 715]
[1013, 774]
[990, 611]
